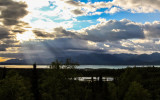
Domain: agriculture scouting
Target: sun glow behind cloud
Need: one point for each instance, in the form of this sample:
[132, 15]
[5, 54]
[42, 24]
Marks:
[26, 36]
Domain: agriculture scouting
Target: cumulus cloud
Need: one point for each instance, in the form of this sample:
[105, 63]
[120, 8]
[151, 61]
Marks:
[11, 14]
[138, 6]
[68, 9]
[5, 44]
[12, 11]
[4, 32]
[77, 12]
[113, 10]
[114, 30]
[111, 30]
[135, 6]
[111, 36]
[152, 30]
[43, 34]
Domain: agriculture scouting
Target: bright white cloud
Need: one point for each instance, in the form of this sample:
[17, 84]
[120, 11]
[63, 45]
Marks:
[138, 6]
[113, 10]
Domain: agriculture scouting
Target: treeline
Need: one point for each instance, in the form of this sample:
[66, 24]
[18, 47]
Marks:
[59, 83]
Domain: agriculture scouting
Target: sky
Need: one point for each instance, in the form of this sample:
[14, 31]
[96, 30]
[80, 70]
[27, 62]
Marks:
[45, 29]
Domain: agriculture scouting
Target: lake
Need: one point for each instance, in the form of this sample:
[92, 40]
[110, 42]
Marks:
[82, 66]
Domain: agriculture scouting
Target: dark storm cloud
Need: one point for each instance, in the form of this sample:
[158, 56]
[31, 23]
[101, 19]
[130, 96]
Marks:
[59, 47]
[12, 11]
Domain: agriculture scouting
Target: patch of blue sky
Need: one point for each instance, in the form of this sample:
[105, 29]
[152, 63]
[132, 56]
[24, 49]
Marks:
[89, 17]
[57, 19]
[47, 8]
[102, 9]
[34, 19]
[82, 24]
[136, 17]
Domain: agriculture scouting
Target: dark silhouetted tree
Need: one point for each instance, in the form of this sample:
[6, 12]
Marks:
[4, 72]
[35, 83]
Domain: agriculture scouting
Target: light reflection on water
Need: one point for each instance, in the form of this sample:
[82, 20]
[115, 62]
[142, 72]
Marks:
[82, 66]
[94, 78]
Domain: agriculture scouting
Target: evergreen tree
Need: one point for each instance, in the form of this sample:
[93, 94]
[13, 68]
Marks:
[137, 92]
[14, 87]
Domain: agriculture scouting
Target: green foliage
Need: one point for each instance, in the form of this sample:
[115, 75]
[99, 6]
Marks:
[57, 84]
[112, 88]
[67, 65]
[137, 92]
[130, 75]
[56, 65]
[14, 87]
[70, 65]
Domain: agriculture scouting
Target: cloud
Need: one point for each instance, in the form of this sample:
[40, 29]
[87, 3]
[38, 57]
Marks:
[58, 32]
[68, 9]
[110, 36]
[58, 47]
[4, 32]
[12, 11]
[5, 44]
[11, 24]
[12, 55]
[77, 12]
[138, 6]
[152, 30]
[134, 6]
[74, 3]
[113, 30]
[7, 39]
[43, 34]
[113, 10]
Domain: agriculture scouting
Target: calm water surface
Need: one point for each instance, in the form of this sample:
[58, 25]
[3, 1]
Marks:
[81, 66]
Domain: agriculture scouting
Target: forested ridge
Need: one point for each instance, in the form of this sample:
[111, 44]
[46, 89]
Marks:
[57, 83]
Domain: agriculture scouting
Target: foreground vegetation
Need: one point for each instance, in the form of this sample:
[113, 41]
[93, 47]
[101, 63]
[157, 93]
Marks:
[60, 84]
